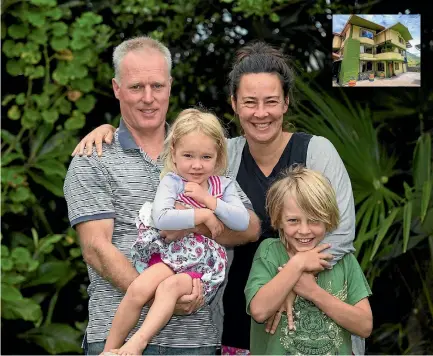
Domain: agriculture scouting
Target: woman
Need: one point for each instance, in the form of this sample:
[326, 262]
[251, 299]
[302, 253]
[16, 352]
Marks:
[261, 85]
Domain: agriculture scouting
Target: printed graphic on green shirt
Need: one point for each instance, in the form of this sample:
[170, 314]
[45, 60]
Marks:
[316, 333]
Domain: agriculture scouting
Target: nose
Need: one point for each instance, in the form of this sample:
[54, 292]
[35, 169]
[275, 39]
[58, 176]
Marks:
[196, 164]
[261, 111]
[147, 97]
[304, 228]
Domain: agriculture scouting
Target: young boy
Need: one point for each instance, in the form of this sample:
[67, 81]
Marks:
[328, 308]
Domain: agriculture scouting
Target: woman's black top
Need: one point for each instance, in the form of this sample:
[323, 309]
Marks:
[255, 185]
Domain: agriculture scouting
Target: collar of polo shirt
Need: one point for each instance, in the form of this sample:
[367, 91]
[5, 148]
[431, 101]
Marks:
[125, 137]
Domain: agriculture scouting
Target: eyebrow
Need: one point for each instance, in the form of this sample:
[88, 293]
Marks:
[254, 98]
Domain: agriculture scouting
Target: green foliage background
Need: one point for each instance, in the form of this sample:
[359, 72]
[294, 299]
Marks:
[56, 73]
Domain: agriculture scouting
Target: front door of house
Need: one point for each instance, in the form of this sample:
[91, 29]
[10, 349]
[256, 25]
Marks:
[390, 71]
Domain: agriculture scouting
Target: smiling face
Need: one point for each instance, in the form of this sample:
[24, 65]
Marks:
[300, 233]
[260, 105]
[144, 90]
[195, 157]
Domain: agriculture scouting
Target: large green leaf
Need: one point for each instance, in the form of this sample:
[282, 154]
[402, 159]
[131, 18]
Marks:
[425, 198]
[51, 167]
[407, 219]
[52, 183]
[55, 338]
[39, 138]
[9, 157]
[18, 31]
[59, 43]
[59, 29]
[10, 293]
[422, 161]
[383, 231]
[49, 273]
[47, 243]
[20, 194]
[24, 308]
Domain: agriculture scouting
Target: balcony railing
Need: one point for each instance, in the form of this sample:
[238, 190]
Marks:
[389, 56]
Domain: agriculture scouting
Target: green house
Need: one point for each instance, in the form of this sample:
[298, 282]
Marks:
[364, 48]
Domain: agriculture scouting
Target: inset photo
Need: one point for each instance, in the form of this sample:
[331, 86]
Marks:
[376, 50]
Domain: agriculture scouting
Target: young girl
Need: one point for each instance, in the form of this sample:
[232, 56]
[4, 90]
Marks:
[328, 308]
[194, 159]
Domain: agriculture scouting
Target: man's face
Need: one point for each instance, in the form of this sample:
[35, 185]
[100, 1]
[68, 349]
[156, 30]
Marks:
[143, 90]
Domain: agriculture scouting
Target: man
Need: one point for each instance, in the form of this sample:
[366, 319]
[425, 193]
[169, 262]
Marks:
[104, 195]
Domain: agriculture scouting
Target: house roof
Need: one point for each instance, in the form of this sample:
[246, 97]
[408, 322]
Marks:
[402, 29]
[359, 21]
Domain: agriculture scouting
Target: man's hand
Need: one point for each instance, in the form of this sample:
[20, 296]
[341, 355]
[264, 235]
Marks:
[188, 304]
[174, 235]
[306, 286]
[215, 226]
[199, 194]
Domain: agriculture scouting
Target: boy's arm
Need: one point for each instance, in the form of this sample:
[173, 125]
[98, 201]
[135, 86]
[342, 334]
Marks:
[270, 297]
[354, 314]
[357, 318]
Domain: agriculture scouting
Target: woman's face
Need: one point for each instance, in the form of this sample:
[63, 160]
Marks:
[260, 105]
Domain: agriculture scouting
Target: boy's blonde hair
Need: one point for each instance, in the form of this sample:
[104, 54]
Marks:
[312, 192]
[195, 120]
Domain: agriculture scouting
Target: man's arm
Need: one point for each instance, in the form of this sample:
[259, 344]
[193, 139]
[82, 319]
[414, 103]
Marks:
[98, 252]
[231, 238]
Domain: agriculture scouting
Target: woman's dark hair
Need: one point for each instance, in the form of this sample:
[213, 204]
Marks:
[260, 57]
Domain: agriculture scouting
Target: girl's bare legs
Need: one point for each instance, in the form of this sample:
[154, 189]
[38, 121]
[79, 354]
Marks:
[167, 293]
[140, 291]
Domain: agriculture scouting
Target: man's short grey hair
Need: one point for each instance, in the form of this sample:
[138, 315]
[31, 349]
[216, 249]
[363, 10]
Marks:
[135, 44]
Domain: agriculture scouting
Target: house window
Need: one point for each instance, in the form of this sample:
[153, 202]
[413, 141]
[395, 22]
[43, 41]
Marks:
[401, 40]
[369, 50]
[380, 67]
[367, 66]
[367, 34]
[396, 66]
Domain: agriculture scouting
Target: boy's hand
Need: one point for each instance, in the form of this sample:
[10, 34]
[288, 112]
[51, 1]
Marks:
[306, 286]
[314, 260]
[287, 306]
[288, 303]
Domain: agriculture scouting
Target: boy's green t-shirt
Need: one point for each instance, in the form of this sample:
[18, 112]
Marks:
[316, 333]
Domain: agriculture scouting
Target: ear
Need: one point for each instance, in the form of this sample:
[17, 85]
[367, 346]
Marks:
[169, 86]
[286, 104]
[116, 87]
[233, 101]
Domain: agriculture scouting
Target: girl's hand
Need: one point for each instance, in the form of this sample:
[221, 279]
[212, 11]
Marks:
[103, 133]
[199, 194]
[314, 260]
[215, 226]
